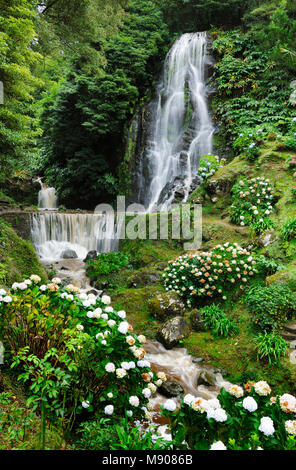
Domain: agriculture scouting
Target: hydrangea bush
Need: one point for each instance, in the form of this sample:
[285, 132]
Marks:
[253, 202]
[240, 418]
[210, 274]
[208, 166]
[77, 353]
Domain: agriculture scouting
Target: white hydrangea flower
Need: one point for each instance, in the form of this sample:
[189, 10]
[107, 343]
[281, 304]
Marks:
[86, 303]
[123, 327]
[109, 409]
[142, 364]
[266, 426]
[90, 314]
[109, 309]
[262, 388]
[236, 391]
[170, 405]
[146, 392]
[250, 404]
[129, 413]
[111, 323]
[218, 446]
[2, 292]
[291, 427]
[35, 278]
[104, 316]
[288, 403]
[80, 327]
[120, 373]
[55, 280]
[106, 299]
[110, 367]
[97, 312]
[110, 395]
[121, 314]
[85, 404]
[142, 339]
[152, 387]
[7, 299]
[188, 399]
[134, 401]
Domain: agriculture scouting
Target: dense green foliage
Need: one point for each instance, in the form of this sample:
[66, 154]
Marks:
[271, 306]
[107, 263]
[84, 127]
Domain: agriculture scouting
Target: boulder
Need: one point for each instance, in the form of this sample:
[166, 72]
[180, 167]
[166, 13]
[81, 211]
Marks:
[197, 360]
[144, 278]
[172, 331]
[267, 238]
[219, 187]
[196, 320]
[91, 255]
[207, 378]
[69, 254]
[166, 305]
[171, 389]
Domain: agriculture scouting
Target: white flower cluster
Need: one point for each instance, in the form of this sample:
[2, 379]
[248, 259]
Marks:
[288, 403]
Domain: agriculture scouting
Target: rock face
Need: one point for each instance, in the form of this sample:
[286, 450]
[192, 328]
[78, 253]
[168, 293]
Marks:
[171, 389]
[69, 254]
[267, 238]
[196, 320]
[207, 378]
[219, 187]
[172, 331]
[166, 305]
[91, 255]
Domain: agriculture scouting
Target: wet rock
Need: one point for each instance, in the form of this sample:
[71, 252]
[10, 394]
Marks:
[196, 320]
[172, 331]
[267, 238]
[69, 254]
[171, 389]
[63, 268]
[198, 360]
[94, 291]
[166, 305]
[207, 378]
[91, 255]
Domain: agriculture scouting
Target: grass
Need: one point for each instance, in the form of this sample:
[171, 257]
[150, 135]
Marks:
[17, 257]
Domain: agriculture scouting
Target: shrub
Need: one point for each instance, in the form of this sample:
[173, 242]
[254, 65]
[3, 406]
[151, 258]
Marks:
[271, 306]
[209, 274]
[288, 230]
[271, 346]
[252, 201]
[77, 354]
[216, 320]
[103, 435]
[208, 166]
[239, 419]
[267, 266]
[107, 263]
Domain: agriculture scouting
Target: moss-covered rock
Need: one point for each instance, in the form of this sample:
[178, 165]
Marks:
[17, 257]
[166, 305]
[173, 331]
[283, 277]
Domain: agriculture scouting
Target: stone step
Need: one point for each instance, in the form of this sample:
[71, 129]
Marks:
[291, 327]
[288, 336]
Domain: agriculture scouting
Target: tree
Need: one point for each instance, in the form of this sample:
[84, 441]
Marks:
[18, 128]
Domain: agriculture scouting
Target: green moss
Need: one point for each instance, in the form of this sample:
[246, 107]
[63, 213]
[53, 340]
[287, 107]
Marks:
[17, 257]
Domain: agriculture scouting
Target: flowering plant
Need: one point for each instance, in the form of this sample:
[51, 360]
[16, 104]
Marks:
[240, 418]
[208, 165]
[76, 351]
[248, 141]
[209, 274]
[252, 201]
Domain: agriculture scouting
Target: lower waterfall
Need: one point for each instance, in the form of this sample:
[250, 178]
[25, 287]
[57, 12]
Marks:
[53, 233]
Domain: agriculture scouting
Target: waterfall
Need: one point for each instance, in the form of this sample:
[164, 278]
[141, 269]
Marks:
[182, 128]
[53, 233]
[47, 198]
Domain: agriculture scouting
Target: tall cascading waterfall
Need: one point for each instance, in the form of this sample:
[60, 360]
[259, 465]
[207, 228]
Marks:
[182, 129]
[53, 233]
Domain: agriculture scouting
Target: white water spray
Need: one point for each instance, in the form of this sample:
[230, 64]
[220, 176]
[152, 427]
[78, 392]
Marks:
[47, 199]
